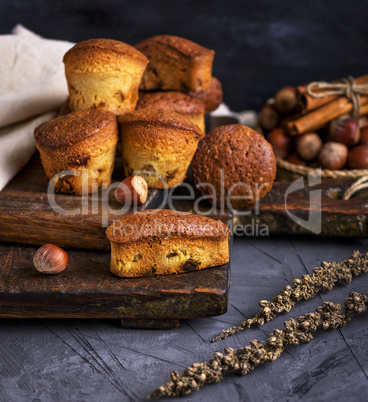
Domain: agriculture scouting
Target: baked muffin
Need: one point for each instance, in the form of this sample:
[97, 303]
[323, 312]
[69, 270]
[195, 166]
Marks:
[83, 143]
[189, 107]
[211, 97]
[158, 144]
[104, 74]
[65, 107]
[176, 64]
[161, 242]
[239, 164]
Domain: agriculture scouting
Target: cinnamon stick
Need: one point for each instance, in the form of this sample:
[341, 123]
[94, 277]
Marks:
[307, 103]
[318, 118]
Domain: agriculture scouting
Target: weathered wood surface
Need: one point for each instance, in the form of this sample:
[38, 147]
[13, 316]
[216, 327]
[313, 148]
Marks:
[27, 217]
[279, 208]
[337, 217]
[87, 289]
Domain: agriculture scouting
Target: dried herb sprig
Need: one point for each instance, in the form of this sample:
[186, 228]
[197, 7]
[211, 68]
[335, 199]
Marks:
[244, 360]
[324, 278]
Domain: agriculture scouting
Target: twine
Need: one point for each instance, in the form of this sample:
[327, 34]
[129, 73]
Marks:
[346, 87]
[360, 184]
[360, 174]
[324, 173]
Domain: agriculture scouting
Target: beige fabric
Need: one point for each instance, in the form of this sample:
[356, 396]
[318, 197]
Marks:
[32, 85]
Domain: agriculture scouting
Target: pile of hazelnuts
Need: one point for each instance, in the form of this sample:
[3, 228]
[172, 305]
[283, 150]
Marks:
[341, 144]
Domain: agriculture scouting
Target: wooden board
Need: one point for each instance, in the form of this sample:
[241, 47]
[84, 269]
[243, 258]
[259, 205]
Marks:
[87, 289]
[279, 208]
[338, 218]
[27, 217]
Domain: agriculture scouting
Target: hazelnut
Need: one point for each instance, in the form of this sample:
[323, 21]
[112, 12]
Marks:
[280, 141]
[268, 117]
[132, 190]
[286, 100]
[308, 146]
[345, 129]
[50, 259]
[363, 136]
[296, 160]
[333, 155]
[358, 157]
[363, 121]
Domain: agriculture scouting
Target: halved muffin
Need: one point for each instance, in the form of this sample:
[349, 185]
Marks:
[161, 242]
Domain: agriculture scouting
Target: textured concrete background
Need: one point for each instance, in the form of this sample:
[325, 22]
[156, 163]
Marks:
[95, 360]
[260, 46]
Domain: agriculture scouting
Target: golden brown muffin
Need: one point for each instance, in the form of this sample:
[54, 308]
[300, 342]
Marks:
[161, 242]
[238, 162]
[157, 144]
[189, 107]
[211, 97]
[82, 142]
[65, 107]
[104, 74]
[176, 64]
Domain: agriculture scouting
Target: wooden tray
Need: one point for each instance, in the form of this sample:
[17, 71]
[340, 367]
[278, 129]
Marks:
[279, 208]
[27, 217]
[87, 288]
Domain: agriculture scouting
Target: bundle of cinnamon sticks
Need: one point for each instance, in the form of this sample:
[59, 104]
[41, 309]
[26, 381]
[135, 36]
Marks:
[317, 112]
[307, 118]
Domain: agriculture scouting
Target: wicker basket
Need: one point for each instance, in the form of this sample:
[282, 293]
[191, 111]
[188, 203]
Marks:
[287, 171]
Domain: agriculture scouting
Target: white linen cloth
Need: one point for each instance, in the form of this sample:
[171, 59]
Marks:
[32, 88]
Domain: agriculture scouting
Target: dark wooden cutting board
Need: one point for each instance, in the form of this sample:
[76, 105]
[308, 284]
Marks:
[278, 212]
[27, 217]
[87, 288]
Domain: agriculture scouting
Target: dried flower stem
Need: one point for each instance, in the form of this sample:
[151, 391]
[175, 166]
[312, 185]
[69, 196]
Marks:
[324, 278]
[243, 360]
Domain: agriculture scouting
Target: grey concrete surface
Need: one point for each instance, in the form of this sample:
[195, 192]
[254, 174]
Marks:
[96, 360]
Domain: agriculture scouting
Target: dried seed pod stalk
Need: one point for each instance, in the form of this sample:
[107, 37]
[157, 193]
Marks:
[246, 359]
[324, 278]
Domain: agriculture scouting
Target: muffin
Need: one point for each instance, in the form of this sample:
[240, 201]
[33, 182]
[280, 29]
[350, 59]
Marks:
[161, 242]
[234, 166]
[211, 97]
[176, 64]
[189, 107]
[65, 107]
[104, 74]
[157, 144]
[82, 143]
